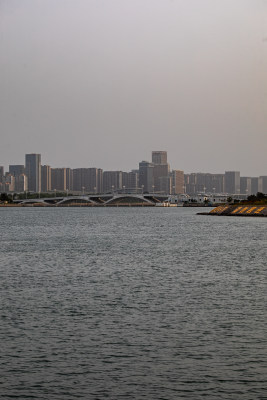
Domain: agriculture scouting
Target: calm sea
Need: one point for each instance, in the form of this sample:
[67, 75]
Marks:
[132, 303]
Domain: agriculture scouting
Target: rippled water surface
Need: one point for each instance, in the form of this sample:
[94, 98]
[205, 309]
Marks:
[132, 303]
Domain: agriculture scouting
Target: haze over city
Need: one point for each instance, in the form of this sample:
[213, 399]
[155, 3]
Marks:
[100, 83]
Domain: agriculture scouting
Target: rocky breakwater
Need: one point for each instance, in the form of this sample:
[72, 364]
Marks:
[239, 211]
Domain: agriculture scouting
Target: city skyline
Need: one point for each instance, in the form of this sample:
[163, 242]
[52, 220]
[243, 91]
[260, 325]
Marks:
[154, 176]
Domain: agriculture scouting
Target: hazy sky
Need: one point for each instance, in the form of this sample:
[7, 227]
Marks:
[102, 83]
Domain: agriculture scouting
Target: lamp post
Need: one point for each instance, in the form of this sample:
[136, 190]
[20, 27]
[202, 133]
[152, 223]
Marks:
[142, 189]
[83, 190]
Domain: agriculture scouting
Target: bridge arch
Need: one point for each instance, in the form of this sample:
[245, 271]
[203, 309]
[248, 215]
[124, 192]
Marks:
[128, 200]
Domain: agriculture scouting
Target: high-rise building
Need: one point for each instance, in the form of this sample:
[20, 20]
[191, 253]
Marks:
[58, 179]
[45, 178]
[130, 181]
[1, 173]
[9, 183]
[256, 185]
[146, 179]
[232, 182]
[16, 170]
[245, 185]
[165, 184]
[160, 171]
[264, 184]
[21, 183]
[159, 157]
[69, 179]
[112, 181]
[204, 183]
[87, 180]
[33, 171]
[177, 181]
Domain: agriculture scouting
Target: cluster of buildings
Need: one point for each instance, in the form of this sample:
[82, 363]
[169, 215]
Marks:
[151, 177]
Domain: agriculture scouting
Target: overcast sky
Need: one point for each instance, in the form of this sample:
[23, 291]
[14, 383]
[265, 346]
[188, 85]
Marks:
[102, 83]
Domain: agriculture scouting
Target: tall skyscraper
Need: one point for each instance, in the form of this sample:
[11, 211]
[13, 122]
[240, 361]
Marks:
[33, 171]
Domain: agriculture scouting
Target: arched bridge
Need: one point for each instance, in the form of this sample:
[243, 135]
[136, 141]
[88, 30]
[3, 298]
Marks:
[116, 199]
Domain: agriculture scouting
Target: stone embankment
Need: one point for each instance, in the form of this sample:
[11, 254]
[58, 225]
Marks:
[239, 211]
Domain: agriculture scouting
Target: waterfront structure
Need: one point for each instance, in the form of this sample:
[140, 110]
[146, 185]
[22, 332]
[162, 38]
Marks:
[232, 182]
[249, 210]
[33, 171]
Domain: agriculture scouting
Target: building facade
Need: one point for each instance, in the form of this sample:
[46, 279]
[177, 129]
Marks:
[146, 178]
[33, 171]
[232, 182]
[112, 181]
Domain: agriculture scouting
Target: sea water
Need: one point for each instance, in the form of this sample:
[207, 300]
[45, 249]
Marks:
[132, 303]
